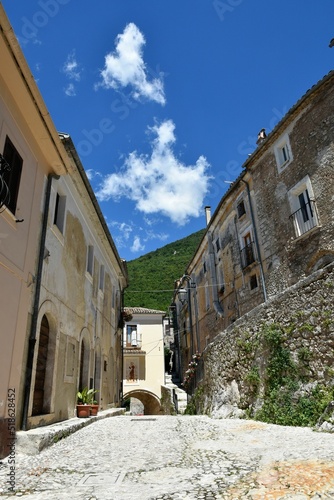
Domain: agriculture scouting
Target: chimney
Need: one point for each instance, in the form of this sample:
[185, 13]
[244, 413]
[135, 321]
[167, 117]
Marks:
[207, 215]
[261, 136]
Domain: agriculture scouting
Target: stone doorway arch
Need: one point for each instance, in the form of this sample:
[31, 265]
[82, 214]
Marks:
[150, 401]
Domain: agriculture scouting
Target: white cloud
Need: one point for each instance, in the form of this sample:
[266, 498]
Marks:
[91, 174]
[124, 228]
[125, 66]
[70, 90]
[71, 67]
[160, 182]
[136, 245]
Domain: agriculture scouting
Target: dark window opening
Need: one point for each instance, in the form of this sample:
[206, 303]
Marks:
[59, 216]
[12, 177]
[241, 209]
[253, 282]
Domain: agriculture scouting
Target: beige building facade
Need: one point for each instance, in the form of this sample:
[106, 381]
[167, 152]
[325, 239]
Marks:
[78, 330]
[143, 357]
[31, 153]
[61, 278]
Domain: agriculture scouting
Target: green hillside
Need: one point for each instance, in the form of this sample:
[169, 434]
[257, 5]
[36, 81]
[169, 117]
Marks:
[152, 276]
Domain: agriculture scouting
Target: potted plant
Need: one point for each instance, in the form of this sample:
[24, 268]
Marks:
[84, 401]
[94, 407]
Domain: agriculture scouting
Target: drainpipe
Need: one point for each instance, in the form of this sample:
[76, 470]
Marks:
[121, 321]
[190, 318]
[256, 241]
[216, 304]
[38, 282]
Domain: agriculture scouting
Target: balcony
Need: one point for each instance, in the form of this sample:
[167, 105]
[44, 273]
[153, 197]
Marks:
[247, 255]
[305, 218]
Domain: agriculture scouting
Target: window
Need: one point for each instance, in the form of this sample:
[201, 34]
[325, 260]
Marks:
[59, 215]
[304, 215]
[132, 336]
[101, 280]
[12, 177]
[204, 267]
[90, 259]
[283, 152]
[241, 210]
[217, 245]
[247, 252]
[253, 282]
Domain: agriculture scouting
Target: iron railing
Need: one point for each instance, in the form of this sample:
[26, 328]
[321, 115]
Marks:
[247, 255]
[305, 218]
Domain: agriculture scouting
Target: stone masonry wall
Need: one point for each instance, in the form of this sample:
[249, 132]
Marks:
[305, 316]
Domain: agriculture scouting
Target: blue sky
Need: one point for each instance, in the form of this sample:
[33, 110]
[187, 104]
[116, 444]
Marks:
[164, 99]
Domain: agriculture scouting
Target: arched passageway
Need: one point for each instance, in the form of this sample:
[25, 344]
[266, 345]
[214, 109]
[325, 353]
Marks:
[150, 401]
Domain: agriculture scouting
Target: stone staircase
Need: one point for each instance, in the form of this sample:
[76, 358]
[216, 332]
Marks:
[178, 395]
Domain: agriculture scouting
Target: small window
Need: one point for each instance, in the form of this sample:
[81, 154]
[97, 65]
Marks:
[253, 282]
[132, 336]
[90, 259]
[247, 252]
[217, 245]
[241, 210]
[283, 152]
[59, 215]
[204, 267]
[101, 280]
[304, 213]
[12, 177]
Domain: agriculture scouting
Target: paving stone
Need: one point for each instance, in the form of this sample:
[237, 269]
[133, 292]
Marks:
[178, 457]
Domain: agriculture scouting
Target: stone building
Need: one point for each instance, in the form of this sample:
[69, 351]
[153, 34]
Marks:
[273, 226]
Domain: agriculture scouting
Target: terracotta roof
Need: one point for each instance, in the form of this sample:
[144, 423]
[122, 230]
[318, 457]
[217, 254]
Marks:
[142, 310]
[133, 352]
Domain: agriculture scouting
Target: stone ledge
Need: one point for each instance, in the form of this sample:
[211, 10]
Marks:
[33, 441]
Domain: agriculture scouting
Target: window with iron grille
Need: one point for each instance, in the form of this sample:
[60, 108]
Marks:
[304, 213]
[12, 176]
[247, 252]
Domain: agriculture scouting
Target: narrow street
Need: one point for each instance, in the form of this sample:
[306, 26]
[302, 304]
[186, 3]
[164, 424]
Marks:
[183, 457]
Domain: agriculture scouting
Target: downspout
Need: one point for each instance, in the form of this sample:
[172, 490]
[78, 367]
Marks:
[198, 347]
[38, 282]
[256, 241]
[190, 319]
[121, 322]
[216, 304]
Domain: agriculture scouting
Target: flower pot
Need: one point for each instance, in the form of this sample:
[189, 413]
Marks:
[83, 411]
[93, 410]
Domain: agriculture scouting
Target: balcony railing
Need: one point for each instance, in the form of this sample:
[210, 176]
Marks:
[247, 255]
[305, 218]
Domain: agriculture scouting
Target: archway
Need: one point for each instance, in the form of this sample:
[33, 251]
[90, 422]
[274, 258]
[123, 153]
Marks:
[150, 401]
[42, 394]
[84, 361]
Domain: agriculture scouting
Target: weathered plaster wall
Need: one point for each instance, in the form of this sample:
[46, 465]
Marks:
[305, 315]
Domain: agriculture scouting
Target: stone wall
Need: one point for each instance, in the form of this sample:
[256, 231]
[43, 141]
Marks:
[237, 361]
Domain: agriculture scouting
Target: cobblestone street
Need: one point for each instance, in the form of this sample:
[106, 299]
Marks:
[179, 457]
